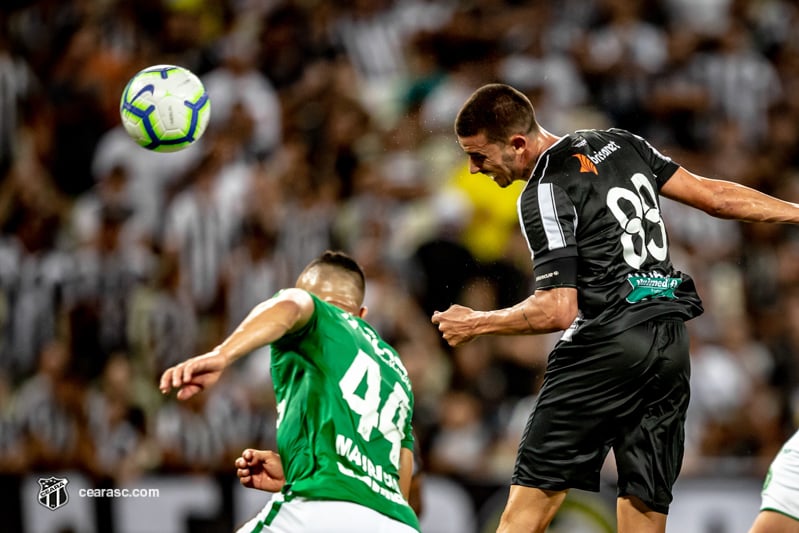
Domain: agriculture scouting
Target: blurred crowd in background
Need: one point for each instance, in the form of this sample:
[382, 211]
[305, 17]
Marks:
[331, 128]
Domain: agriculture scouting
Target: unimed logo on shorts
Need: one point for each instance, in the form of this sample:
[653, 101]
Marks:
[53, 492]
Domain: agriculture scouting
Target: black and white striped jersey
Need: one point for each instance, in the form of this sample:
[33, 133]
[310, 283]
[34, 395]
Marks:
[591, 216]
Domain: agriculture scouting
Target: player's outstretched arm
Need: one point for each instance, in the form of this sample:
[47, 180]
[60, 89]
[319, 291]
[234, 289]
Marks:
[727, 199]
[266, 323]
[193, 375]
[543, 312]
[260, 469]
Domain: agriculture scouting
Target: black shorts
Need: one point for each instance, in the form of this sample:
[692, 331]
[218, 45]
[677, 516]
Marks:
[630, 393]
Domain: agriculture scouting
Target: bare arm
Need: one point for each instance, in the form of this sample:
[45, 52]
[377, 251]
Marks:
[266, 323]
[405, 472]
[726, 199]
[543, 312]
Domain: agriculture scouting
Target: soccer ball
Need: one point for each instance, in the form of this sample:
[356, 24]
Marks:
[165, 108]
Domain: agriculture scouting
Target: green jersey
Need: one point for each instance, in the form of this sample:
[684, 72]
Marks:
[344, 405]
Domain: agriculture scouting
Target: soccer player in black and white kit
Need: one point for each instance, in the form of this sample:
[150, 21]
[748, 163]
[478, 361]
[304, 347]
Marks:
[619, 376]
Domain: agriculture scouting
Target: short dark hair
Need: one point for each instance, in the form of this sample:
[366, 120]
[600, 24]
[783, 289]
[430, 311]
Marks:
[498, 111]
[343, 261]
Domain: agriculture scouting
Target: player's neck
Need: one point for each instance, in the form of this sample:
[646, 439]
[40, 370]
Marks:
[545, 140]
[542, 142]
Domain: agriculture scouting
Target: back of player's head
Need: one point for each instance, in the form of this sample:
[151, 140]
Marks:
[336, 277]
[497, 110]
[342, 261]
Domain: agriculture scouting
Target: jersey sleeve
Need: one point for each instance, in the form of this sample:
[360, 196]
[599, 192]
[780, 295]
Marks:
[291, 340]
[549, 221]
[662, 166]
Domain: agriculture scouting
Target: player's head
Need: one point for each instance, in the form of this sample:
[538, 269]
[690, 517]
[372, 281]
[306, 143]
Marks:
[336, 278]
[496, 127]
[498, 111]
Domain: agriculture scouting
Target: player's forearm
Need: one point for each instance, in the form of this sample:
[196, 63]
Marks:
[265, 324]
[405, 472]
[543, 312]
[727, 199]
[736, 201]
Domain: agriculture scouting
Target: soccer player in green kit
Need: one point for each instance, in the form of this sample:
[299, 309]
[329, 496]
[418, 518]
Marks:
[344, 405]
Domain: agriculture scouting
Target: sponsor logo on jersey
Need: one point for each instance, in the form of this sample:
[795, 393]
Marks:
[649, 286]
[586, 165]
[53, 492]
[548, 275]
[356, 463]
[603, 153]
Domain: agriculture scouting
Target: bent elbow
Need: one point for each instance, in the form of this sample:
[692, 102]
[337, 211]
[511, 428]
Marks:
[563, 321]
[564, 317]
[559, 308]
[719, 200]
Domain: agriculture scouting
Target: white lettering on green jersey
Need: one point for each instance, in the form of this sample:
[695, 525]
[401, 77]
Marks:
[345, 413]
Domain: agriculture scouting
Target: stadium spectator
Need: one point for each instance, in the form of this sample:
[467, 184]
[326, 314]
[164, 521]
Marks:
[162, 319]
[116, 426]
[48, 408]
[237, 81]
[619, 58]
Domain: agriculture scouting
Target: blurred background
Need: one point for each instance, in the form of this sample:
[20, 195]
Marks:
[332, 128]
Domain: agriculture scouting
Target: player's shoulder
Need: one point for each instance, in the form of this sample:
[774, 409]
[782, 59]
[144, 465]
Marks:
[593, 146]
[585, 142]
[591, 138]
[296, 295]
[571, 156]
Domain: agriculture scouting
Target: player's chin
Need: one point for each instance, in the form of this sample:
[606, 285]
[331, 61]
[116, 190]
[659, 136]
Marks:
[502, 181]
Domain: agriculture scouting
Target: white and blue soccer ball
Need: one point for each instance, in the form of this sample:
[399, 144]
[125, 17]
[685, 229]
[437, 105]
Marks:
[165, 108]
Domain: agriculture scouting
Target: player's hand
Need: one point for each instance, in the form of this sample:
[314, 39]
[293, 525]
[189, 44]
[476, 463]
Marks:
[260, 469]
[455, 324]
[193, 375]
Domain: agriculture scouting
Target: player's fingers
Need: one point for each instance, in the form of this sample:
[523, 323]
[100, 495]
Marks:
[265, 456]
[188, 371]
[189, 390]
[166, 378]
[435, 318]
[248, 455]
[246, 481]
[241, 463]
[177, 375]
[243, 472]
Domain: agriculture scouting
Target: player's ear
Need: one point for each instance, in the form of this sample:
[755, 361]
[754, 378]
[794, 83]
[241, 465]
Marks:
[363, 311]
[519, 142]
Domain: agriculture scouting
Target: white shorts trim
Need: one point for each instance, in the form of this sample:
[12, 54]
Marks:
[308, 516]
[781, 488]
